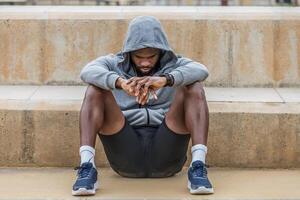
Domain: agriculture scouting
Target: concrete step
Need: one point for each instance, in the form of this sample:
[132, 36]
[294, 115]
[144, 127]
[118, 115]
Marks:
[241, 46]
[249, 127]
[233, 184]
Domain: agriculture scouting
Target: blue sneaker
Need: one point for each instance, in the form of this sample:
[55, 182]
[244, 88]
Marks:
[86, 183]
[198, 182]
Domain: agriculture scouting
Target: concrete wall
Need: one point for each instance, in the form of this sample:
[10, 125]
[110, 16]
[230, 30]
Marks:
[240, 46]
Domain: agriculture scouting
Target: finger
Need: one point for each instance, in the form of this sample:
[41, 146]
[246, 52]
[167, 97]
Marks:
[140, 99]
[142, 81]
[145, 99]
[140, 96]
[129, 81]
[137, 89]
[127, 90]
[132, 86]
[130, 89]
[140, 84]
[133, 78]
[146, 87]
[153, 94]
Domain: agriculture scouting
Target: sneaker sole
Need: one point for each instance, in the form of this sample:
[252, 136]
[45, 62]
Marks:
[85, 192]
[200, 190]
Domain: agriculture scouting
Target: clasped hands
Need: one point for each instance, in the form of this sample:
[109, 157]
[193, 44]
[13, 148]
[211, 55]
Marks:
[141, 87]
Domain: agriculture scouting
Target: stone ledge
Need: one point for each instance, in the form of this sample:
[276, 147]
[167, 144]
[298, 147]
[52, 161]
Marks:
[162, 12]
[44, 131]
[31, 93]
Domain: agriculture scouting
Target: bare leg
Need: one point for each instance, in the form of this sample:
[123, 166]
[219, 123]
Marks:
[188, 113]
[99, 112]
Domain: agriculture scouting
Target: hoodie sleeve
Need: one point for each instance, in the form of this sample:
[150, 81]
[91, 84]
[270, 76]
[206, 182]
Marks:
[188, 71]
[100, 73]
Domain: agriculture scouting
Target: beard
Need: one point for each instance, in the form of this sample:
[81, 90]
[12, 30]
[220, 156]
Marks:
[148, 73]
[145, 73]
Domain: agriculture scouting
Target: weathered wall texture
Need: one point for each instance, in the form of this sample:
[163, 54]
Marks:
[254, 48]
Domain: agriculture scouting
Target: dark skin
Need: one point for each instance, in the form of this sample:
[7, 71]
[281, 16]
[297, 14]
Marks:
[188, 113]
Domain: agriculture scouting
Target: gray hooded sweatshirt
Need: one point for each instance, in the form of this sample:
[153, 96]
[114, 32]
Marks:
[143, 32]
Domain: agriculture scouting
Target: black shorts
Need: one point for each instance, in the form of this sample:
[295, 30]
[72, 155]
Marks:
[146, 151]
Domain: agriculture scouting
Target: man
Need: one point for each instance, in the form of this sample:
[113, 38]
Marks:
[144, 103]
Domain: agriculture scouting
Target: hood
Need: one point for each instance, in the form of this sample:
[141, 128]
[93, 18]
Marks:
[143, 32]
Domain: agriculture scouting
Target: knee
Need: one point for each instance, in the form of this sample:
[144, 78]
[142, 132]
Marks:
[93, 93]
[196, 91]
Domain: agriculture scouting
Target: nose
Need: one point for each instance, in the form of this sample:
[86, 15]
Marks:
[145, 63]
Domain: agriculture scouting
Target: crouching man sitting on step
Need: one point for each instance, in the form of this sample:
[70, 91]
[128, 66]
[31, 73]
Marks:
[145, 103]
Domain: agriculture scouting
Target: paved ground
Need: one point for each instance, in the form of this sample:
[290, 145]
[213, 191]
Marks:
[230, 184]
